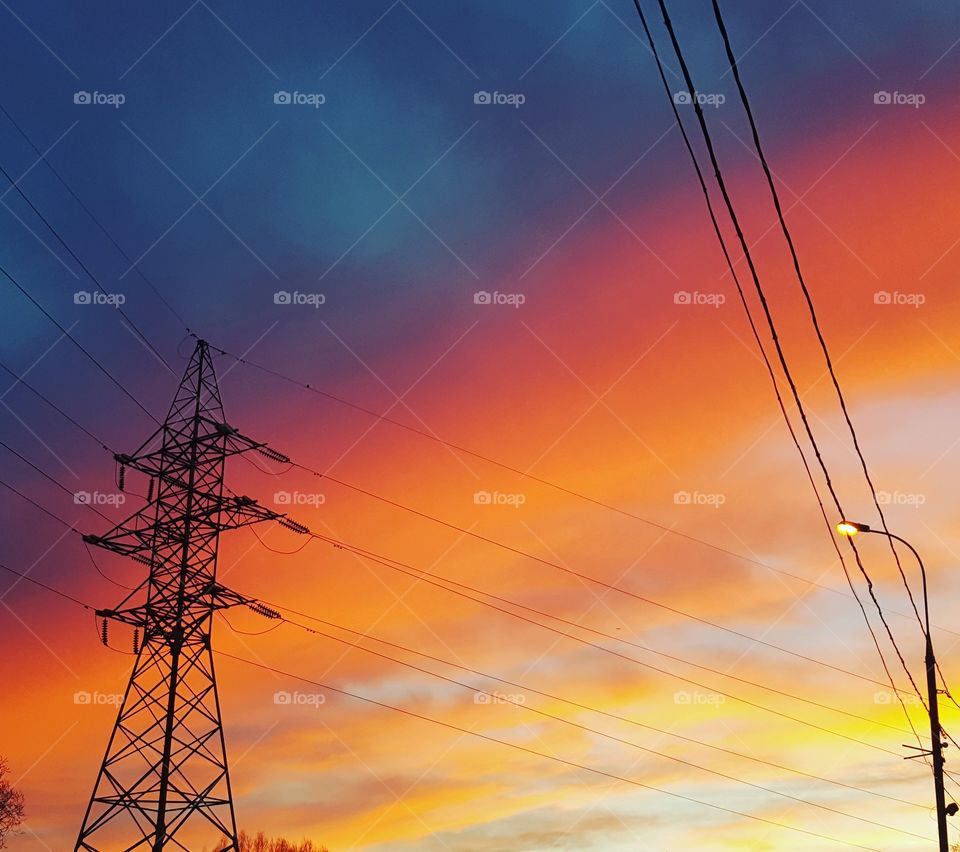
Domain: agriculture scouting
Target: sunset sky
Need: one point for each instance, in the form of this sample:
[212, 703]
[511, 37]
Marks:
[615, 361]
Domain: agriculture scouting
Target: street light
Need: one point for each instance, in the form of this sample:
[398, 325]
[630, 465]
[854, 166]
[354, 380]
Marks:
[850, 529]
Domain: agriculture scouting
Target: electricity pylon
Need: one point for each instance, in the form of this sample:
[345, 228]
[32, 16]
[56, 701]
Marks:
[164, 782]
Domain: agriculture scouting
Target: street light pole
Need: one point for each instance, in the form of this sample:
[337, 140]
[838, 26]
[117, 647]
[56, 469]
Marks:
[850, 528]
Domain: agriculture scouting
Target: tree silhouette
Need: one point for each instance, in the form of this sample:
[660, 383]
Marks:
[11, 805]
[261, 843]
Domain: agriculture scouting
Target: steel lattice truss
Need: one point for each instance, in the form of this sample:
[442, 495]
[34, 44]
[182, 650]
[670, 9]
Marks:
[164, 778]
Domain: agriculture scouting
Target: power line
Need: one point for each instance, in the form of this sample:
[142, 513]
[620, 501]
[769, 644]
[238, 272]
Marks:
[571, 764]
[79, 602]
[178, 316]
[36, 582]
[95, 220]
[554, 697]
[394, 564]
[86, 606]
[598, 733]
[439, 581]
[566, 569]
[721, 183]
[421, 575]
[51, 479]
[246, 361]
[643, 647]
[96, 283]
[462, 530]
[77, 343]
[19, 380]
[735, 68]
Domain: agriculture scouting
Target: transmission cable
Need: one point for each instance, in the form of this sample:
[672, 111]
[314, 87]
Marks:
[553, 717]
[77, 343]
[721, 183]
[440, 582]
[95, 220]
[526, 749]
[96, 283]
[554, 697]
[612, 587]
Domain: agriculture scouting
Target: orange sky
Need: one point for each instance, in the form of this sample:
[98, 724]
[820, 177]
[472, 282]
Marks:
[684, 406]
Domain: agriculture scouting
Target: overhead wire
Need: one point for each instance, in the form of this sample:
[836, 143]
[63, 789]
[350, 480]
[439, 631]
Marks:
[528, 750]
[595, 732]
[94, 218]
[554, 697]
[394, 564]
[554, 758]
[15, 185]
[734, 219]
[544, 755]
[781, 218]
[27, 578]
[66, 333]
[754, 130]
[454, 587]
[580, 575]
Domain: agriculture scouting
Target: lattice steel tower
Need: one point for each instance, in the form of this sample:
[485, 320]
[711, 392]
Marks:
[164, 782]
